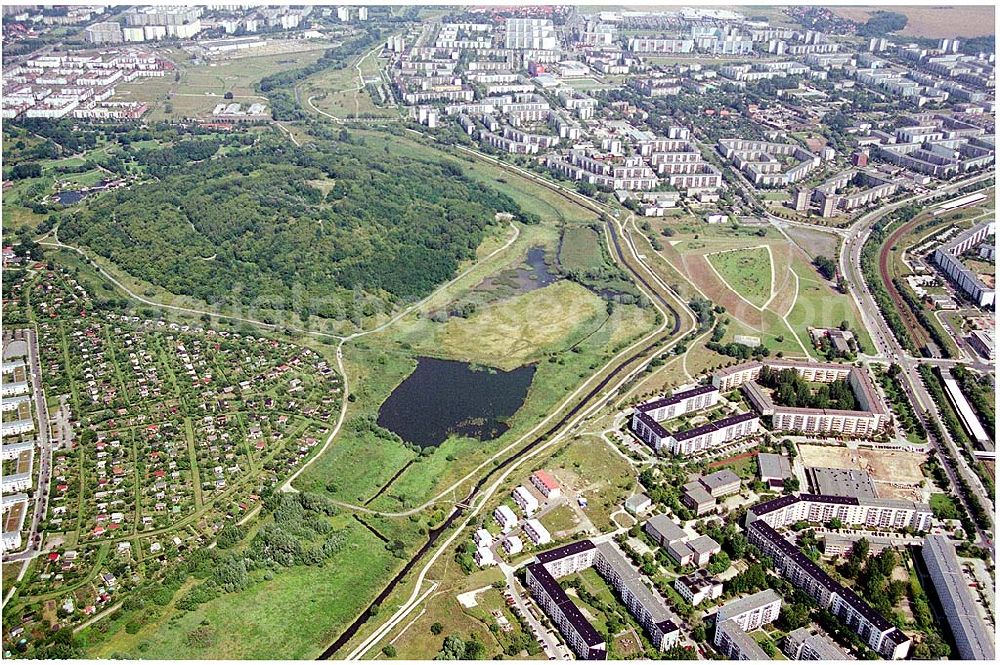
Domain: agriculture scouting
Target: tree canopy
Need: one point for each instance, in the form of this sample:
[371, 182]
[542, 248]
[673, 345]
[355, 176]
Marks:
[283, 229]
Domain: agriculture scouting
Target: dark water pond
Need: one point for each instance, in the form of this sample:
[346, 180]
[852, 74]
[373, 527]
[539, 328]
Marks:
[68, 197]
[448, 397]
[534, 274]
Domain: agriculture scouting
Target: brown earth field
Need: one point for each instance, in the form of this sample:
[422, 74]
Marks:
[700, 271]
[883, 465]
[935, 22]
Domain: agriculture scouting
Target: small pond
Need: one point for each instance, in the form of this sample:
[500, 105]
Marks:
[533, 274]
[449, 397]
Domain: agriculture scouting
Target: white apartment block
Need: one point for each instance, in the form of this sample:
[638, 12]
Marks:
[525, 499]
[854, 511]
[530, 33]
[538, 534]
[505, 517]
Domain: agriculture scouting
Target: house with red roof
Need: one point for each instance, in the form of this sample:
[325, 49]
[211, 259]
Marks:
[546, 484]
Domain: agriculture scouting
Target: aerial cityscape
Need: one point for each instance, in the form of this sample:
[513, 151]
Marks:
[536, 332]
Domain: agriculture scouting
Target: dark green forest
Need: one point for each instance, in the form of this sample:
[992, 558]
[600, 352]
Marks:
[293, 229]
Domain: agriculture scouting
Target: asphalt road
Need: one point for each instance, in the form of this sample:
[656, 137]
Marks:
[888, 348]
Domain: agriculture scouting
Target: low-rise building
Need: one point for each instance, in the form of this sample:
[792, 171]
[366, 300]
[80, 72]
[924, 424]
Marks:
[773, 469]
[505, 517]
[682, 547]
[538, 534]
[525, 499]
[546, 484]
[698, 587]
[638, 504]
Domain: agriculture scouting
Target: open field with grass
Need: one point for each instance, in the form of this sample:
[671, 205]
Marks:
[746, 271]
[580, 248]
[814, 242]
[340, 93]
[935, 22]
[414, 638]
[296, 613]
[820, 306]
[508, 334]
[202, 86]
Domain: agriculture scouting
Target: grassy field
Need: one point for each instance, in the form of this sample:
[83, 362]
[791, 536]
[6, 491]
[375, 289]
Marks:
[747, 271]
[296, 614]
[339, 93]
[935, 22]
[820, 306]
[580, 248]
[511, 333]
[202, 86]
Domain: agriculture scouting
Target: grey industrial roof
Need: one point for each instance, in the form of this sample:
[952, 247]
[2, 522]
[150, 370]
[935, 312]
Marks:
[667, 528]
[636, 499]
[697, 493]
[972, 636]
[841, 482]
[702, 544]
[773, 466]
[719, 479]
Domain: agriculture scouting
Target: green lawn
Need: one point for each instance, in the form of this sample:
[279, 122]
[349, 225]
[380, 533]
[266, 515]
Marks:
[820, 306]
[943, 506]
[747, 271]
[580, 248]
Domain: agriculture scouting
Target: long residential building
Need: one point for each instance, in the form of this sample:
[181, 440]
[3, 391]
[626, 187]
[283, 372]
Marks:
[603, 170]
[647, 416]
[648, 609]
[874, 629]
[973, 637]
[948, 258]
[763, 162]
[854, 511]
[864, 422]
